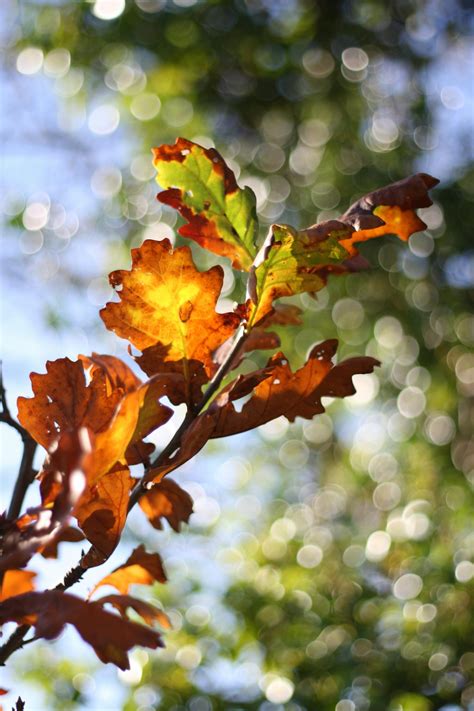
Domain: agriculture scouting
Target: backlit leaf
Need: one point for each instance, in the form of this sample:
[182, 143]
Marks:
[275, 391]
[102, 513]
[17, 582]
[220, 216]
[141, 568]
[167, 309]
[110, 636]
[148, 612]
[167, 500]
[291, 262]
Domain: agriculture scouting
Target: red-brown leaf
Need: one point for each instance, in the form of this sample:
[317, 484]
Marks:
[110, 636]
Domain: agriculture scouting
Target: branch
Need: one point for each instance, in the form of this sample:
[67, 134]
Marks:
[26, 473]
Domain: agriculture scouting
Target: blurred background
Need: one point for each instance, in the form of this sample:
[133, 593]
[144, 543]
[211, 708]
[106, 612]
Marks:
[328, 564]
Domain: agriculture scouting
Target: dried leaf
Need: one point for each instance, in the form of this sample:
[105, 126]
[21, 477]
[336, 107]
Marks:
[167, 500]
[110, 636]
[141, 568]
[39, 526]
[276, 391]
[62, 401]
[102, 513]
[389, 210]
[221, 216]
[168, 310]
[65, 535]
[290, 394]
[16, 582]
[149, 613]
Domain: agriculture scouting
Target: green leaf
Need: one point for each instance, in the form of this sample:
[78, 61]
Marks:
[291, 262]
[200, 185]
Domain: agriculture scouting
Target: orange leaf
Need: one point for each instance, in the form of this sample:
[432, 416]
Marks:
[102, 513]
[168, 306]
[148, 612]
[141, 568]
[16, 582]
[110, 636]
[167, 500]
[390, 210]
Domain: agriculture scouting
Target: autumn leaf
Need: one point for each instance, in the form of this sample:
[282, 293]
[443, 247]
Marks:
[220, 216]
[65, 535]
[150, 613]
[141, 568]
[291, 262]
[117, 408]
[23, 537]
[389, 210]
[102, 512]
[16, 582]
[110, 636]
[167, 309]
[63, 401]
[167, 500]
[282, 392]
[294, 261]
[275, 391]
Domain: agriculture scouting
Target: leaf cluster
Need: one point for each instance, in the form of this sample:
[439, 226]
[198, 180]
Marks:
[93, 416]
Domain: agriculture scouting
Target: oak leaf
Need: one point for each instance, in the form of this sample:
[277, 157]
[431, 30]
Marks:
[221, 217]
[110, 636]
[102, 512]
[141, 568]
[167, 309]
[389, 210]
[274, 391]
[63, 401]
[291, 262]
[294, 261]
[167, 500]
[150, 613]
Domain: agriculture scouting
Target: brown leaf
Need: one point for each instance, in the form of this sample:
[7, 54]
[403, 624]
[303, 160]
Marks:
[168, 306]
[16, 582]
[102, 513]
[110, 636]
[149, 613]
[167, 500]
[65, 535]
[40, 525]
[276, 391]
[62, 401]
[141, 568]
[389, 210]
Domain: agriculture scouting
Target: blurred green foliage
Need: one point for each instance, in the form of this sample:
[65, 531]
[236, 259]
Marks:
[348, 577]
